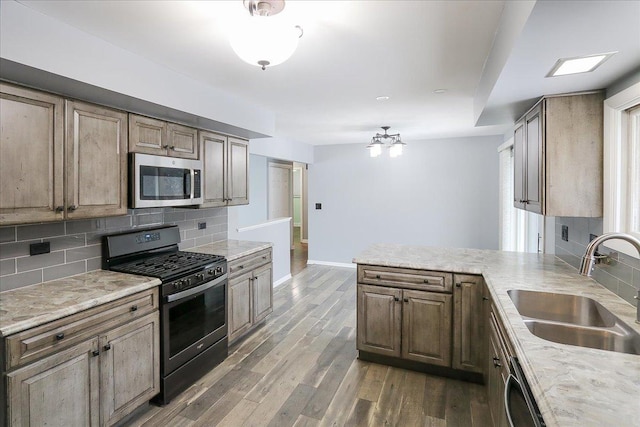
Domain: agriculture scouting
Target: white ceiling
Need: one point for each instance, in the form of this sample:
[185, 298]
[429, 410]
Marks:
[354, 51]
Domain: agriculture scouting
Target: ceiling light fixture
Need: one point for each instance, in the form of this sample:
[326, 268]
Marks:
[379, 140]
[579, 64]
[264, 41]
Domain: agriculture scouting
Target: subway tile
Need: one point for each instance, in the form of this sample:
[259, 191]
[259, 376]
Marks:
[186, 225]
[7, 234]
[96, 238]
[595, 226]
[619, 270]
[84, 253]
[627, 292]
[203, 240]
[192, 234]
[94, 264]
[194, 214]
[64, 270]
[147, 211]
[629, 260]
[570, 259]
[21, 279]
[7, 266]
[84, 226]
[117, 222]
[148, 219]
[17, 249]
[636, 278]
[40, 231]
[39, 261]
[187, 244]
[605, 279]
[67, 242]
[174, 216]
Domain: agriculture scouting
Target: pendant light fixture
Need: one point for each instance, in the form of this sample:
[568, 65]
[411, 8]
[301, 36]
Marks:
[262, 40]
[380, 140]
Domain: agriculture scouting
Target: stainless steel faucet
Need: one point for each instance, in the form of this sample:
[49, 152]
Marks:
[589, 258]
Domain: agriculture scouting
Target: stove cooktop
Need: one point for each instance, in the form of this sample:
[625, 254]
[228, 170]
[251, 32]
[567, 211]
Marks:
[168, 266]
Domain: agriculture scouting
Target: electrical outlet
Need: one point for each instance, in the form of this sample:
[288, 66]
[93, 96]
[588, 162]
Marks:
[39, 248]
[318, 206]
[202, 225]
[565, 233]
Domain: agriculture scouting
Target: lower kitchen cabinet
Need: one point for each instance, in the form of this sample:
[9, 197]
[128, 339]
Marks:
[497, 372]
[469, 338]
[111, 368]
[413, 325]
[250, 292]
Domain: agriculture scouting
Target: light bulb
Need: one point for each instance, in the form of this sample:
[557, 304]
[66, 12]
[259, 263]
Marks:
[265, 41]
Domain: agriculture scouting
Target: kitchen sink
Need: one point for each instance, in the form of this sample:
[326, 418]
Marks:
[620, 338]
[574, 320]
[565, 308]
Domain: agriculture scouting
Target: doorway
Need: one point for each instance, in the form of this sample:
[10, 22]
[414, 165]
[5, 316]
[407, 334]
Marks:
[299, 251]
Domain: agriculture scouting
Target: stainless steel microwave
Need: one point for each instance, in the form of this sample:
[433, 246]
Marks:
[164, 181]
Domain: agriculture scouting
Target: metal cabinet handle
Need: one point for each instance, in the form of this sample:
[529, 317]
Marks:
[73, 208]
[396, 299]
[496, 362]
[458, 285]
[95, 353]
[134, 308]
[485, 299]
[406, 300]
[377, 276]
[240, 267]
[426, 281]
[60, 336]
[59, 208]
[165, 146]
[107, 347]
[172, 147]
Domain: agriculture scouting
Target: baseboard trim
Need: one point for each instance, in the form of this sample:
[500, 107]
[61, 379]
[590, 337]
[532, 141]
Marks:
[332, 264]
[281, 280]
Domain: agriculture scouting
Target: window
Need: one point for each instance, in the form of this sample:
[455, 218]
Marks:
[622, 166]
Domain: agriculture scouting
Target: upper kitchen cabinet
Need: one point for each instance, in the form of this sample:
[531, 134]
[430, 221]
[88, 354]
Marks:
[226, 170]
[152, 136]
[96, 167]
[558, 156]
[50, 175]
[31, 156]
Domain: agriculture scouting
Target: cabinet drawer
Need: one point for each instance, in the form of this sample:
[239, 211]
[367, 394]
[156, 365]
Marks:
[423, 280]
[32, 344]
[242, 265]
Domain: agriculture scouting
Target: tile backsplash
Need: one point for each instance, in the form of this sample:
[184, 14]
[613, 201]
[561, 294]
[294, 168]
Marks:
[621, 275]
[76, 246]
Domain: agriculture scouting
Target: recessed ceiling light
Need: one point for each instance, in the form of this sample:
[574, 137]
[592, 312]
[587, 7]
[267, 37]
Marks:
[580, 64]
[382, 98]
[439, 91]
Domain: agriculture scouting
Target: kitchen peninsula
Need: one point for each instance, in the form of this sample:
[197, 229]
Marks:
[572, 385]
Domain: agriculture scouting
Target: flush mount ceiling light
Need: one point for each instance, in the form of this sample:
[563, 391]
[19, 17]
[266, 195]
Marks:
[580, 64]
[263, 40]
[380, 140]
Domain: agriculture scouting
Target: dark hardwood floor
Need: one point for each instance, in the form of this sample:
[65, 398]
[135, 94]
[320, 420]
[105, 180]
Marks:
[301, 368]
[299, 253]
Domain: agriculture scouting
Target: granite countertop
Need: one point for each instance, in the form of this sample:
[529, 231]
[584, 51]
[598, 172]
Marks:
[25, 308]
[231, 249]
[573, 386]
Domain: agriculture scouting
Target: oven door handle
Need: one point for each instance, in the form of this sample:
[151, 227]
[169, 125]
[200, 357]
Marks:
[197, 289]
[507, 392]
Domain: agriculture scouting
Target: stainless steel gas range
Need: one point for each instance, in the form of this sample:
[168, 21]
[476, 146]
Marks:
[193, 302]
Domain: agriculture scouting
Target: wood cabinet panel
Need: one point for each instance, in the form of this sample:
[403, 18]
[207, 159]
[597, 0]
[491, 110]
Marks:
[240, 305]
[249, 262]
[147, 135]
[379, 320]
[96, 147]
[129, 367]
[214, 158]
[59, 390]
[435, 281]
[468, 334]
[183, 141]
[426, 327]
[519, 196]
[238, 173]
[31, 156]
[534, 163]
[262, 292]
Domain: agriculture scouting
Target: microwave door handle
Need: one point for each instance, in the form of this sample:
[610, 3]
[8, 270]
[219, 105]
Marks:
[193, 182]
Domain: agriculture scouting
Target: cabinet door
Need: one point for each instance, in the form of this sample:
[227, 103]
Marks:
[495, 379]
[534, 155]
[129, 367]
[31, 156]
[96, 161]
[238, 172]
[468, 323]
[262, 292]
[379, 320]
[147, 135]
[240, 305]
[183, 141]
[519, 166]
[214, 158]
[426, 327]
[59, 390]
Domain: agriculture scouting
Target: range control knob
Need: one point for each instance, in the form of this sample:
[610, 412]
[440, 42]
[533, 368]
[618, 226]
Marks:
[210, 272]
[200, 276]
[218, 270]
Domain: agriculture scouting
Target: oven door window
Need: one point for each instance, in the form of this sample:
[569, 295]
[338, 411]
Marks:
[158, 183]
[195, 317]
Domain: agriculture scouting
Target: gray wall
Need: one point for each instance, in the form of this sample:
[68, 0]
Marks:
[438, 193]
[256, 211]
[621, 275]
[76, 245]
